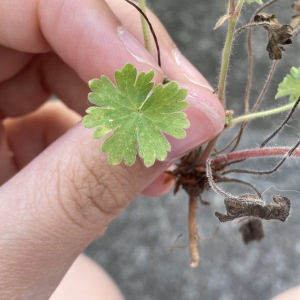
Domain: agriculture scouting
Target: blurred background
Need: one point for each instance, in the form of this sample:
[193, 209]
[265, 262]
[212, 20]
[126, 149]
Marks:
[139, 249]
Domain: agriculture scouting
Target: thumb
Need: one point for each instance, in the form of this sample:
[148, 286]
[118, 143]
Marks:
[68, 195]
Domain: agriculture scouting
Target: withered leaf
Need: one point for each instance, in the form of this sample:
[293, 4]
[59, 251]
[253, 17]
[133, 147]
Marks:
[275, 51]
[251, 230]
[278, 35]
[295, 22]
[264, 17]
[248, 205]
[296, 7]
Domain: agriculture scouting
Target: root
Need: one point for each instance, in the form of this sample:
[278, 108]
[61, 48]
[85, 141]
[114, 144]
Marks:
[193, 232]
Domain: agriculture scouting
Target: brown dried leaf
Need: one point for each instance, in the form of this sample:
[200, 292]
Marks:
[264, 17]
[295, 22]
[296, 7]
[251, 230]
[278, 35]
[248, 205]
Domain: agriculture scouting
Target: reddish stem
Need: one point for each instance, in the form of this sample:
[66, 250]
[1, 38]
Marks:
[231, 8]
[254, 153]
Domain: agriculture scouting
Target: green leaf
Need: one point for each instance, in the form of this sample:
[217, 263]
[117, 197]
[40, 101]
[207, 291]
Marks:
[290, 86]
[257, 1]
[136, 115]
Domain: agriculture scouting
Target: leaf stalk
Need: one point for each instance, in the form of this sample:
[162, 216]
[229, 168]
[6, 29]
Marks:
[234, 16]
[145, 26]
[227, 48]
[260, 114]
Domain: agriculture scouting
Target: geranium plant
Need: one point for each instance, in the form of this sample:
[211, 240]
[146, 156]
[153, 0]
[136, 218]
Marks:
[134, 113]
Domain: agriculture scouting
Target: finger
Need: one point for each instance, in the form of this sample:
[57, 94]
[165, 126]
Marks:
[69, 194]
[291, 294]
[28, 136]
[92, 33]
[45, 75]
[161, 185]
[204, 113]
[6, 156]
[89, 27]
[89, 40]
[174, 64]
[12, 62]
[88, 279]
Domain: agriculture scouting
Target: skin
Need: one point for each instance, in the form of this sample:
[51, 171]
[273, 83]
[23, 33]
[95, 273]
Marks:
[291, 294]
[58, 192]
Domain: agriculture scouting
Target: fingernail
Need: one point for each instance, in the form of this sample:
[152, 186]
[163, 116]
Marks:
[207, 119]
[189, 71]
[136, 49]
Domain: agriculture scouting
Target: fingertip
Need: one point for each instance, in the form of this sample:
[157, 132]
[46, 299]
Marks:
[207, 119]
[93, 33]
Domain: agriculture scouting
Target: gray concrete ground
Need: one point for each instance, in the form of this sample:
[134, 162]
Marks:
[136, 249]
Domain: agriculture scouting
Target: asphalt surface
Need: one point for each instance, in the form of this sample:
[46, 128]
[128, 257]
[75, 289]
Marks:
[138, 248]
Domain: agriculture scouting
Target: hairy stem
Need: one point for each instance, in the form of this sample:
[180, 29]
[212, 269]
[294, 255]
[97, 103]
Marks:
[208, 149]
[238, 137]
[258, 101]
[265, 172]
[289, 115]
[267, 4]
[266, 86]
[234, 12]
[193, 232]
[260, 114]
[231, 6]
[250, 52]
[227, 179]
[227, 47]
[256, 153]
[145, 26]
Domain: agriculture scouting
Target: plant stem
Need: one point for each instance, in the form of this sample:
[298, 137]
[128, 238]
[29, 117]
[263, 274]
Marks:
[150, 28]
[145, 26]
[250, 55]
[266, 86]
[287, 118]
[208, 149]
[227, 47]
[260, 114]
[255, 153]
[231, 6]
[234, 12]
[258, 101]
[193, 232]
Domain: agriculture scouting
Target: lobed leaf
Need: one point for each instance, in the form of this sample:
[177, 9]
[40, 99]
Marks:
[290, 86]
[136, 115]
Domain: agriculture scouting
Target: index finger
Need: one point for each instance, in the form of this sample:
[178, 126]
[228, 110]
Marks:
[82, 33]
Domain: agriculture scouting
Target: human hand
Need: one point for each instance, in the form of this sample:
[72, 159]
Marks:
[62, 194]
